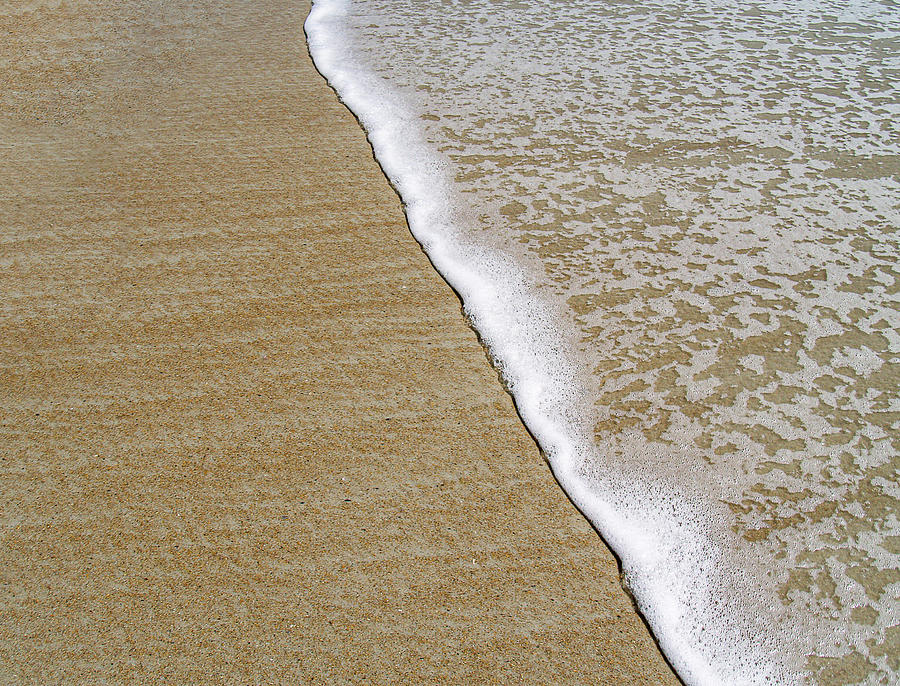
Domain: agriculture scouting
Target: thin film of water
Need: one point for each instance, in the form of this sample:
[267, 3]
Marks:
[708, 193]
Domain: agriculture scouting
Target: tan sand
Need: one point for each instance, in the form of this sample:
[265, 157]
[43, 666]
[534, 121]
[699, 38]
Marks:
[246, 434]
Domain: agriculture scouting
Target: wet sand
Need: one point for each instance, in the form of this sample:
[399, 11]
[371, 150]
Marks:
[246, 433]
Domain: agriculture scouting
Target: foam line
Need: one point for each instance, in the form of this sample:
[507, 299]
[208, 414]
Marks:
[668, 562]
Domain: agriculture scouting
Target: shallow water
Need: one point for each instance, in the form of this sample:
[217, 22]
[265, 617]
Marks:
[675, 224]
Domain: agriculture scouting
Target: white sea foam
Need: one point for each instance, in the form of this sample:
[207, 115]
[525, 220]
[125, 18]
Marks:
[668, 562]
[666, 505]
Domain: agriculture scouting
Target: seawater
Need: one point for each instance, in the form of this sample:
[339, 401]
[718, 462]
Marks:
[674, 225]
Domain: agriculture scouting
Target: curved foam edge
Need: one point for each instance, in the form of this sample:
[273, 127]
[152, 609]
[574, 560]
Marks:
[668, 561]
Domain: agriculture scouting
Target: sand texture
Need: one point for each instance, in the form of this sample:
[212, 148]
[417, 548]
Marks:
[246, 434]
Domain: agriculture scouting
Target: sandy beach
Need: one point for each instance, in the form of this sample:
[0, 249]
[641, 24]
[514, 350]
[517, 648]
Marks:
[246, 434]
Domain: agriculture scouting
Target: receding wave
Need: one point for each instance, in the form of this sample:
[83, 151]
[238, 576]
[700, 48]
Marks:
[674, 224]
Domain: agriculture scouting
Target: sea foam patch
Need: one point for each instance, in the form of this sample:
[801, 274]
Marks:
[674, 225]
[669, 562]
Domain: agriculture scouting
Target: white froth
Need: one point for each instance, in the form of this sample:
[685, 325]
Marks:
[668, 562]
[695, 328]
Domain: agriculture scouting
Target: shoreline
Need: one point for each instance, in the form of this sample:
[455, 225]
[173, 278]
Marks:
[248, 432]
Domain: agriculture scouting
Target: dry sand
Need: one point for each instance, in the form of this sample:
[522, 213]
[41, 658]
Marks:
[246, 433]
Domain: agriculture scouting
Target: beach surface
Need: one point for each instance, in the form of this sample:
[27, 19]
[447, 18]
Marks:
[246, 433]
